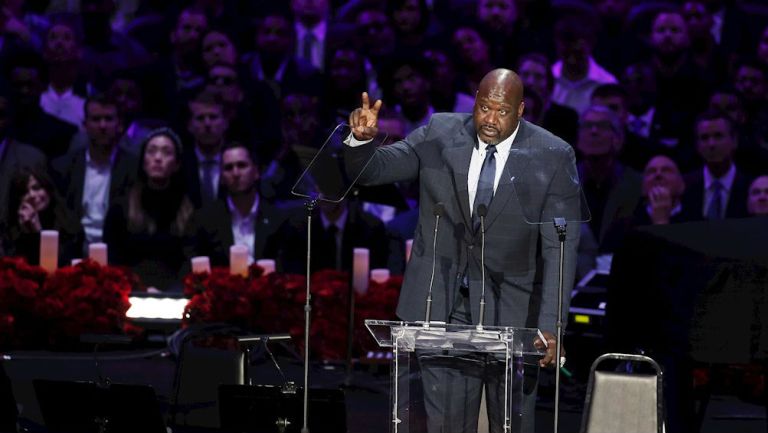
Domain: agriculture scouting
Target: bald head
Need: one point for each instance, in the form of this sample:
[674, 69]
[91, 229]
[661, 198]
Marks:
[498, 105]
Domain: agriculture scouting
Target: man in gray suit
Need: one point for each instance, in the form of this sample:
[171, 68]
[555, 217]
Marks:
[520, 173]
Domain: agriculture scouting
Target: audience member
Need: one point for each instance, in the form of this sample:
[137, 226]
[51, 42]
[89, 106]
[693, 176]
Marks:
[636, 150]
[273, 61]
[244, 218]
[444, 92]
[104, 49]
[610, 188]
[62, 54]
[719, 189]
[336, 231]
[410, 20]
[536, 73]
[616, 45]
[92, 178]
[576, 72]
[32, 125]
[207, 125]
[681, 85]
[473, 54]
[757, 204]
[144, 229]
[33, 206]
[217, 47]
[410, 89]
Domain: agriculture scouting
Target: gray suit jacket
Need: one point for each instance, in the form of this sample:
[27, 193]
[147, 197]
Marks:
[539, 181]
[16, 156]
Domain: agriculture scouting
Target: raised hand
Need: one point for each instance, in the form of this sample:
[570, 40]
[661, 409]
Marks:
[661, 203]
[364, 120]
[29, 219]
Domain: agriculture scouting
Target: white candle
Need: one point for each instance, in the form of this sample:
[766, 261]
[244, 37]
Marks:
[267, 264]
[238, 260]
[360, 266]
[98, 253]
[201, 265]
[380, 275]
[49, 250]
[408, 248]
[76, 262]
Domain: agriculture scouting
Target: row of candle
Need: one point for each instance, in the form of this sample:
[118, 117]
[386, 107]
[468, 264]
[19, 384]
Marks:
[238, 260]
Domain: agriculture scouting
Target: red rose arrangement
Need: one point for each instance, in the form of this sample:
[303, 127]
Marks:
[51, 311]
[86, 298]
[274, 303]
[20, 287]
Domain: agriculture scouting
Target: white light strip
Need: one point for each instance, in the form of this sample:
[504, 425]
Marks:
[156, 308]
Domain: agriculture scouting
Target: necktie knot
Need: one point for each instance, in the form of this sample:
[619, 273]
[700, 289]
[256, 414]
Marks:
[716, 186]
[490, 150]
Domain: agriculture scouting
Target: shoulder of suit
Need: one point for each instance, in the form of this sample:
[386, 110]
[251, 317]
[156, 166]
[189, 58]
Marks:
[536, 132]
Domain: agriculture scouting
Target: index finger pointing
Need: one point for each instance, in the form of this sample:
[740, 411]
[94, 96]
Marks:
[366, 102]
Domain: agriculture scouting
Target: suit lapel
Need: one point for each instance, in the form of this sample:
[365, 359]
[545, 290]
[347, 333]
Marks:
[457, 156]
[517, 161]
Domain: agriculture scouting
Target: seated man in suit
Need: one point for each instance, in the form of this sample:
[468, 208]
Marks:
[244, 218]
[92, 178]
[719, 189]
[662, 190]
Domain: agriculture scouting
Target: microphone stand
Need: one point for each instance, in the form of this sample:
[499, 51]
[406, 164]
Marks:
[310, 206]
[482, 211]
[560, 228]
[439, 207]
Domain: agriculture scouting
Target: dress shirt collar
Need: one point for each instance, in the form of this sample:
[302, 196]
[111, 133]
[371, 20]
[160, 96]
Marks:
[52, 92]
[91, 163]
[339, 223]
[726, 181]
[318, 30]
[203, 157]
[236, 216]
[595, 72]
[675, 210]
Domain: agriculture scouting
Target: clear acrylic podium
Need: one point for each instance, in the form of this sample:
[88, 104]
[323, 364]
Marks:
[452, 347]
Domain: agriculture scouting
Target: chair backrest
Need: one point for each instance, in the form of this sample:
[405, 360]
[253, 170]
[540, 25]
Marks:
[623, 402]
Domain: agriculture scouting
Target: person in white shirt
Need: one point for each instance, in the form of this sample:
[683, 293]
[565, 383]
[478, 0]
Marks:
[62, 53]
[576, 72]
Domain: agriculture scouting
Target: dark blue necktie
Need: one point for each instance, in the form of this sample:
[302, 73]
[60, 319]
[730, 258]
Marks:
[485, 183]
[715, 211]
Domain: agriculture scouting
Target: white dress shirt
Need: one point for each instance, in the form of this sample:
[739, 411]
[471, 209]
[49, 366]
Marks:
[577, 94]
[96, 196]
[244, 226]
[66, 106]
[476, 164]
[725, 192]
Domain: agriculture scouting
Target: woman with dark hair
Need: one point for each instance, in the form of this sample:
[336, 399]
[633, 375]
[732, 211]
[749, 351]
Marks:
[144, 229]
[33, 206]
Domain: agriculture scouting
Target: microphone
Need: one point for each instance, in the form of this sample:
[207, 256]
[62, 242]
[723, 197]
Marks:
[482, 211]
[438, 212]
